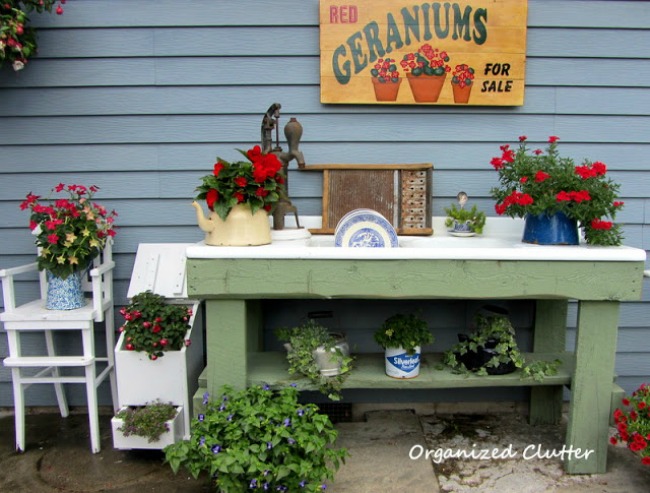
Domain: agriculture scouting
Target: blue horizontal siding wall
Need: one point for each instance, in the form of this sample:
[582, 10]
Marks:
[140, 96]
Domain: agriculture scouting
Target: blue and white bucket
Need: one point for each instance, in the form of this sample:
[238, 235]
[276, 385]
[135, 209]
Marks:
[400, 364]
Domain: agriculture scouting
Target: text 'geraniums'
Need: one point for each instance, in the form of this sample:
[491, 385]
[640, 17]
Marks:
[17, 38]
[257, 182]
[633, 424]
[543, 182]
[70, 232]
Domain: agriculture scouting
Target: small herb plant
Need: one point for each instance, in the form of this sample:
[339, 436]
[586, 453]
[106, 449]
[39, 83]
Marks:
[259, 439]
[633, 423]
[406, 331]
[474, 218]
[148, 421]
[494, 332]
[154, 326]
[302, 342]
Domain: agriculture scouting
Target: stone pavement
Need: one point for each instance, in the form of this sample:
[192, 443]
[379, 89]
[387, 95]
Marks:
[58, 459]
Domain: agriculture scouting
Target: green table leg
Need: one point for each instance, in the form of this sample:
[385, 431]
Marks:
[549, 337]
[229, 325]
[592, 387]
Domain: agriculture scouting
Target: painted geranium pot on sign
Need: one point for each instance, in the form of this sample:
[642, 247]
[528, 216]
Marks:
[385, 79]
[426, 71]
[402, 337]
[541, 184]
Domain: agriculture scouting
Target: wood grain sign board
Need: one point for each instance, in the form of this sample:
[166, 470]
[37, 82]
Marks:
[421, 40]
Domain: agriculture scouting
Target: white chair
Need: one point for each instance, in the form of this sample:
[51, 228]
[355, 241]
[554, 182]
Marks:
[33, 317]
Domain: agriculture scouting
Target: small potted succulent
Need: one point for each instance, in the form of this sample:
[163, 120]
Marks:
[260, 439]
[633, 423]
[461, 221]
[490, 350]
[318, 354]
[426, 70]
[385, 79]
[154, 425]
[402, 337]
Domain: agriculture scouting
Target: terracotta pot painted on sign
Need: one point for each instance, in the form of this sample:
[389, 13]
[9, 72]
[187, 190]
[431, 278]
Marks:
[461, 94]
[386, 91]
[426, 88]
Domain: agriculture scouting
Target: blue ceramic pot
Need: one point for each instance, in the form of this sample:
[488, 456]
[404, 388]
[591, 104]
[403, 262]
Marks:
[555, 229]
[64, 294]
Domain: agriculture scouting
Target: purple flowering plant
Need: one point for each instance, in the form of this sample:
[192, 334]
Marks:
[260, 439]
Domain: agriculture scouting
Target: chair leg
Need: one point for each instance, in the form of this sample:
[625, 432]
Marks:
[58, 386]
[93, 411]
[19, 409]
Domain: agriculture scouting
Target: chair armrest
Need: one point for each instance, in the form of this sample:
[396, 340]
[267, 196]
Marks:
[20, 269]
[102, 269]
[7, 277]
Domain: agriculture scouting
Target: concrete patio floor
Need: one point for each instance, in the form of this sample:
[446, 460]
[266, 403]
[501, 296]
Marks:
[58, 459]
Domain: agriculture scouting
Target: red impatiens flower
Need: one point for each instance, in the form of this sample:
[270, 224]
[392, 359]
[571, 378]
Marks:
[218, 166]
[541, 176]
[211, 197]
[241, 181]
[602, 225]
[553, 139]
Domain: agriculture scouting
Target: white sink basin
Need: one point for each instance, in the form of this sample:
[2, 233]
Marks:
[501, 241]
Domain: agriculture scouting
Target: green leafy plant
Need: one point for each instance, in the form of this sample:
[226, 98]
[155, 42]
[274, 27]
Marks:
[301, 344]
[633, 423]
[257, 182]
[474, 218]
[149, 421]
[70, 232]
[257, 438]
[406, 331]
[17, 38]
[152, 325]
[496, 335]
[540, 369]
[541, 182]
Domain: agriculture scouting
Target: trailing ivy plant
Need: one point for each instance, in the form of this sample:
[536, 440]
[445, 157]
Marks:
[149, 421]
[301, 342]
[259, 439]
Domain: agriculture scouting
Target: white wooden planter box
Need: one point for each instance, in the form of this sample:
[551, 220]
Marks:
[174, 377]
[175, 434]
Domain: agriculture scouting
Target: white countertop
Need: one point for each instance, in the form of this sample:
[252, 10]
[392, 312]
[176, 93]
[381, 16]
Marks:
[501, 240]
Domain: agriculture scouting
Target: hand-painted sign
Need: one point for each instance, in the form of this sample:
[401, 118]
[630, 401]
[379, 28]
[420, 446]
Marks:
[408, 52]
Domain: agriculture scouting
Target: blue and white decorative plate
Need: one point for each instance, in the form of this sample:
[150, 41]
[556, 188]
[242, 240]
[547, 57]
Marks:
[365, 229]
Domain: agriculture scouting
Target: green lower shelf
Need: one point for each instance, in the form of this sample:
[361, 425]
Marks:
[369, 373]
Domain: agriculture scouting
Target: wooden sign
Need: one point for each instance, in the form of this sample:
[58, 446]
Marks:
[406, 52]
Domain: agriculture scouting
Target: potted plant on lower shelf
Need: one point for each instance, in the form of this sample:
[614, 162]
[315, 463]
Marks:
[154, 425]
[633, 423]
[318, 354]
[490, 350]
[260, 439]
[402, 337]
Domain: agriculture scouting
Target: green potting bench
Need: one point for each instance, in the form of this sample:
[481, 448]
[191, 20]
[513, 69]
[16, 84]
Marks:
[233, 281]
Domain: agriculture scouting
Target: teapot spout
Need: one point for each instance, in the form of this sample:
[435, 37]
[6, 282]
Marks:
[204, 223]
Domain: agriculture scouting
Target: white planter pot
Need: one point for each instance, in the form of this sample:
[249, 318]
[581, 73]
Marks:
[399, 364]
[171, 378]
[175, 434]
[329, 363]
